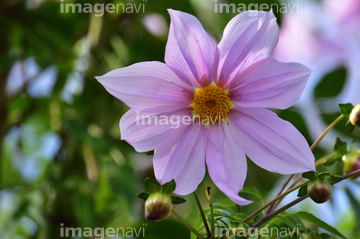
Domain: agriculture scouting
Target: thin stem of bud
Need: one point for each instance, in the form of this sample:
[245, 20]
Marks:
[335, 122]
[313, 146]
[279, 193]
[273, 201]
[212, 217]
[275, 205]
[202, 215]
[296, 201]
[186, 223]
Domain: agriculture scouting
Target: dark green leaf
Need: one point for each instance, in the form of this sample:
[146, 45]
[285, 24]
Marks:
[177, 200]
[334, 179]
[333, 159]
[253, 191]
[346, 109]
[287, 221]
[152, 185]
[150, 152]
[227, 203]
[168, 187]
[349, 127]
[325, 236]
[309, 175]
[331, 84]
[340, 146]
[143, 195]
[311, 218]
[302, 190]
[299, 222]
[238, 217]
[323, 175]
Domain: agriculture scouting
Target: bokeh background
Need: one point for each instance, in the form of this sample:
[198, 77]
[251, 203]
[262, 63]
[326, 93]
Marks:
[61, 157]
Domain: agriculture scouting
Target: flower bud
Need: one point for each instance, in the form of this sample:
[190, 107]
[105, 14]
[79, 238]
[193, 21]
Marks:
[319, 191]
[351, 162]
[158, 207]
[355, 116]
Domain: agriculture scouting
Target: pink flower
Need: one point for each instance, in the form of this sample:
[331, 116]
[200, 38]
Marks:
[230, 85]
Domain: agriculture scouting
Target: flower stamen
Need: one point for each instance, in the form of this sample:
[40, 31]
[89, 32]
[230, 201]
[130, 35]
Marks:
[211, 104]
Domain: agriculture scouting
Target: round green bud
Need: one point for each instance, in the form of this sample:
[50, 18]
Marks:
[319, 191]
[355, 116]
[158, 207]
[351, 162]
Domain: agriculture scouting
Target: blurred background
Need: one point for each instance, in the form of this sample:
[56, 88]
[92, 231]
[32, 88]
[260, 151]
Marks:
[61, 157]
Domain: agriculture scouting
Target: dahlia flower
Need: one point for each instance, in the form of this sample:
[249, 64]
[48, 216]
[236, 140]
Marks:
[224, 89]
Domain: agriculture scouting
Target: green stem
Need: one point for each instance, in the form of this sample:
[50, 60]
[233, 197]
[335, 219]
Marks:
[316, 164]
[317, 141]
[187, 224]
[296, 201]
[275, 205]
[313, 146]
[202, 215]
[273, 201]
[279, 193]
[212, 218]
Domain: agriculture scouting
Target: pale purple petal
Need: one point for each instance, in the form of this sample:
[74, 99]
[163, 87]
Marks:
[269, 84]
[148, 87]
[181, 157]
[146, 131]
[232, 157]
[248, 38]
[218, 158]
[190, 51]
[270, 142]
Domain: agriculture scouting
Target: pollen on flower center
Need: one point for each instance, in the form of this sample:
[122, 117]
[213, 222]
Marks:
[211, 104]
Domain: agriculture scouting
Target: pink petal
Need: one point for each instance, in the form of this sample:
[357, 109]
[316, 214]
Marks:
[269, 84]
[148, 87]
[232, 157]
[248, 38]
[181, 157]
[272, 143]
[226, 163]
[190, 51]
[145, 134]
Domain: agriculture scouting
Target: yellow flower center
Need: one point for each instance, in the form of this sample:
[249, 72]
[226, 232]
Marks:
[211, 104]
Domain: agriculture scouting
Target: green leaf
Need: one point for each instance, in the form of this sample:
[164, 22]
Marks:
[323, 175]
[302, 190]
[331, 84]
[238, 216]
[336, 158]
[309, 175]
[227, 203]
[287, 221]
[150, 152]
[168, 187]
[346, 109]
[152, 185]
[177, 200]
[253, 191]
[349, 127]
[324, 236]
[311, 218]
[340, 146]
[143, 195]
[199, 226]
[334, 179]
[299, 222]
